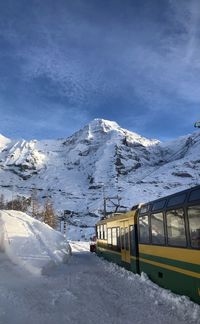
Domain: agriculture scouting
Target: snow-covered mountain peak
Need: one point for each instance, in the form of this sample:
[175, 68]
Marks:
[4, 141]
[100, 159]
[101, 131]
[103, 125]
[100, 127]
[97, 130]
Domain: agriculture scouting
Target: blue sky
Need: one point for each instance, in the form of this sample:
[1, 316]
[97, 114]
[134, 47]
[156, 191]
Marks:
[66, 62]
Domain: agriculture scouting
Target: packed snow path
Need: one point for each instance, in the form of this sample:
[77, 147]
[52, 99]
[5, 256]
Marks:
[87, 290]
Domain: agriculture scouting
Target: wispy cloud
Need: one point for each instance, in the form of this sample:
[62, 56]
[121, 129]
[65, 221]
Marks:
[86, 55]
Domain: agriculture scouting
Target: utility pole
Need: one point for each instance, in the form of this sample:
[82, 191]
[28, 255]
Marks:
[111, 200]
[104, 206]
[64, 221]
[12, 196]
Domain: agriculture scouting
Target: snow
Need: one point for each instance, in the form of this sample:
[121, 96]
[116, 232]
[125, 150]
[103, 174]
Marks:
[101, 159]
[40, 282]
[4, 141]
[87, 289]
[106, 125]
[33, 245]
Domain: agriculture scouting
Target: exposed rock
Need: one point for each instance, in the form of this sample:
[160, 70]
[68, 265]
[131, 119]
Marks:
[99, 160]
[182, 174]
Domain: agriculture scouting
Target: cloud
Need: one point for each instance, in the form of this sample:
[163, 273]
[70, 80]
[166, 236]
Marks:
[90, 58]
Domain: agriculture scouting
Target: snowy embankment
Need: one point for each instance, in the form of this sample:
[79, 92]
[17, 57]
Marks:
[30, 243]
[88, 290]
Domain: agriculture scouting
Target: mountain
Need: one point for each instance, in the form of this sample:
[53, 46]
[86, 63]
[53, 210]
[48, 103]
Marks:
[100, 160]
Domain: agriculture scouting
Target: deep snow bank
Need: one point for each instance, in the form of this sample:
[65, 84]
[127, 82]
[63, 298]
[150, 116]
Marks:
[30, 243]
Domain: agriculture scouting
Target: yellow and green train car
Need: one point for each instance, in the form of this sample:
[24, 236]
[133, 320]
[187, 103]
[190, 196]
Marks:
[160, 238]
[116, 239]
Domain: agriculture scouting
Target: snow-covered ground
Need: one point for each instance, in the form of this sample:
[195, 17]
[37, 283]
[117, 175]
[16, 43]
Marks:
[31, 244]
[87, 290]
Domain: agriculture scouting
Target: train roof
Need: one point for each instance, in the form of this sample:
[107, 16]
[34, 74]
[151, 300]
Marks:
[116, 216]
[178, 198]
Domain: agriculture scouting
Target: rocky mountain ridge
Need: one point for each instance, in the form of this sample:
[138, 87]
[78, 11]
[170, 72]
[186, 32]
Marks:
[100, 160]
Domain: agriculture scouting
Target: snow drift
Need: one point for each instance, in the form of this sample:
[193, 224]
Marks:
[31, 244]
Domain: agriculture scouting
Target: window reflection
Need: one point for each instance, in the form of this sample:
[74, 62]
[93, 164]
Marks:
[144, 229]
[98, 232]
[176, 227]
[132, 240]
[118, 238]
[105, 232]
[157, 228]
[109, 236]
[194, 225]
[126, 239]
[114, 236]
[122, 238]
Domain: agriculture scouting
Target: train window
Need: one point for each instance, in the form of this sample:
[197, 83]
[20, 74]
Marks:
[114, 236]
[101, 232]
[132, 240]
[144, 229]
[98, 232]
[122, 238]
[194, 195]
[157, 228]
[159, 204]
[144, 209]
[118, 238]
[126, 239]
[105, 232]
[109, 236]
[194, 225]
[176, 200]
[176, 227]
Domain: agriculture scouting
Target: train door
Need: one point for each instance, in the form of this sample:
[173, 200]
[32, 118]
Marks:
[125, 242]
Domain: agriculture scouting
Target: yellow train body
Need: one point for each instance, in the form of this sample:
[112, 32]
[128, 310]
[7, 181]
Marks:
[172, 259]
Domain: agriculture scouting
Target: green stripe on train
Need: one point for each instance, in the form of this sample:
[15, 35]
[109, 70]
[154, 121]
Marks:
[175, 281]
[174, 263]
[116, 258]
[109, 255]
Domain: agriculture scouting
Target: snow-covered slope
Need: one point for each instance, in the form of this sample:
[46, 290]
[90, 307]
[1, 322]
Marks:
[33, 245]
[100, 159]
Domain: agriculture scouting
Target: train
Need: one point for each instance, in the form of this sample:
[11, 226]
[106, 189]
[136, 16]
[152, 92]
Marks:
[160, 238]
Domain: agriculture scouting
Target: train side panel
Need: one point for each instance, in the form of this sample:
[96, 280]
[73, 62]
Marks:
[160, 238]
[172, 268]
[119, 246]
[169, 242]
